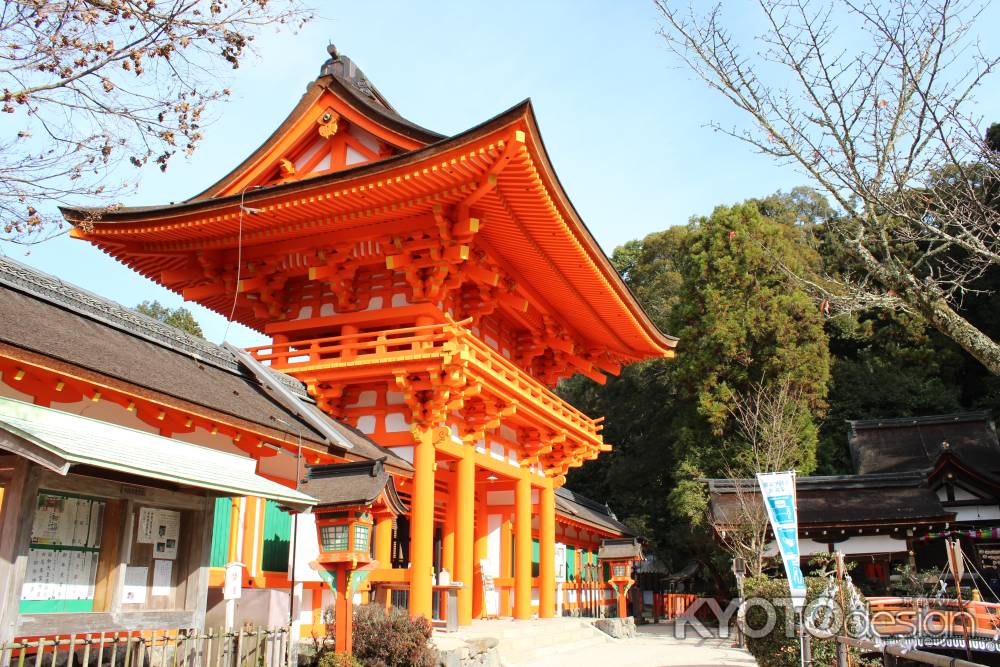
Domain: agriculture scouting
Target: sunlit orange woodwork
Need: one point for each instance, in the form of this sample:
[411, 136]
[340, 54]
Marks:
[428, 290]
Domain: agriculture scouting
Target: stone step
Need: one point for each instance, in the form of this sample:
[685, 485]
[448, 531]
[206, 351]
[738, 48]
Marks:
[541, 641]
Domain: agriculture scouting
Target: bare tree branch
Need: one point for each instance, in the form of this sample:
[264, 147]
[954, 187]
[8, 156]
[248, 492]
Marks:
[872, 101]
[95, 85]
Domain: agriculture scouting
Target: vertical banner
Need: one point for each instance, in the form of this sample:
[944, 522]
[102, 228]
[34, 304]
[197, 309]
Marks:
[778, 492]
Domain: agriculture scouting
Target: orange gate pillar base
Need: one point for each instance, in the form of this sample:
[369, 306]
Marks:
[465, 505]
[522, 548]
[546, 552]
[343, 613]
[422, 530]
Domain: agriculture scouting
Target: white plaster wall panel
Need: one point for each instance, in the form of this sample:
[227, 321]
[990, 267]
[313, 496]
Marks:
[366, 424]
[962, 494]
[395, 422]
[499, 497]
[305, 612]
[399, 299]
[496, 450]
[309, 154]
[354, 157]
[306, 549]
[405, 453]
[507, 433]
[492, 342]
[976, 513]
[366, 399]
[375, 303]
[493, 544]
[394, 398]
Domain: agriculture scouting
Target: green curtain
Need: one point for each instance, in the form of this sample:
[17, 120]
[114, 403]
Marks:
[277, 538]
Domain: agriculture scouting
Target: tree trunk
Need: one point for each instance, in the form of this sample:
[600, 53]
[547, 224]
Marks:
[960, 330]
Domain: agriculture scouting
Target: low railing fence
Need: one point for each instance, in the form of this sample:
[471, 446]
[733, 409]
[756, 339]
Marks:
[168, 648]
[673, 605]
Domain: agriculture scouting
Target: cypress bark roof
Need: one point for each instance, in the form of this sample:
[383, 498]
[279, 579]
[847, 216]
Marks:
[840, 500]
[916, 443]
[581, 508]
[56, 319]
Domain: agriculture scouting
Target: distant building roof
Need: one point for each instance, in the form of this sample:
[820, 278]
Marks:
[916, 443]
[838, 500]
[59, 320]
[581, 508]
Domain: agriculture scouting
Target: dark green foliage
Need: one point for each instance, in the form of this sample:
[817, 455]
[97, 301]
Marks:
[391, 639]
[719, 284]
[993, 137]
[179, 317]
[776, 649]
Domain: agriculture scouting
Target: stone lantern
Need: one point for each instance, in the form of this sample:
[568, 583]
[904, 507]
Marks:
[620, 555]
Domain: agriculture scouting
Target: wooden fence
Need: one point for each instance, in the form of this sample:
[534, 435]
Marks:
[169, 648]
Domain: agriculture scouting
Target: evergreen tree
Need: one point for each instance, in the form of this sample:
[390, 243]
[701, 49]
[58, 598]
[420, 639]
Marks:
[179, 317]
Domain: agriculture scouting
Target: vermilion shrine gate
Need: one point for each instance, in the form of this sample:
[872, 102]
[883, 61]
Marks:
[428, 290]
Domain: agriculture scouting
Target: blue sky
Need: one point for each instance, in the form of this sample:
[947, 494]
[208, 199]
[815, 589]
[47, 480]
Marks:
[624, 125]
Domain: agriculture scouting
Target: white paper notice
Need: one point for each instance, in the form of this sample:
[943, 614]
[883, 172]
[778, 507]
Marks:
[161, 577]
[147, 525]
[168, 530]
[135, 585]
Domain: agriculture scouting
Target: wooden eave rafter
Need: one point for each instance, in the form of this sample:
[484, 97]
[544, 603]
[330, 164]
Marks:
[443, 174]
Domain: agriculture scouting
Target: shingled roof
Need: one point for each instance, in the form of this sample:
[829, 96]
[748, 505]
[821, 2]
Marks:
[50, 317]
[839, 500]
[916, 443]
[585, 510]
[341, 484]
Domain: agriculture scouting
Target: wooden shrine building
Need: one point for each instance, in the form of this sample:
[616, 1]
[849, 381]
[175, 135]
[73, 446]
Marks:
[917, 481]
[427, 290]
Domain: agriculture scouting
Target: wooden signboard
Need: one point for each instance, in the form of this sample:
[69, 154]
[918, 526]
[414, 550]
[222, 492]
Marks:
[989, 557]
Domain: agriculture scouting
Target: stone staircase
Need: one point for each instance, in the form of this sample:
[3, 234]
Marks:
[538, 641]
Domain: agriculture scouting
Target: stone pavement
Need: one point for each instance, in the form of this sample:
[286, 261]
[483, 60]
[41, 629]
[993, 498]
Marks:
[654, 646]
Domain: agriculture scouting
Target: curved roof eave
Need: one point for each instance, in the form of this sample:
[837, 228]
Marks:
[314, 90]
[521, 111]
[130, 214]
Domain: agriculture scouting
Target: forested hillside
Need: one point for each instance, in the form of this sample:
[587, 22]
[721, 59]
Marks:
[729, 286]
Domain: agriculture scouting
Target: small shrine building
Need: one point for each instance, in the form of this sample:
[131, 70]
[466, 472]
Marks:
[429, 291]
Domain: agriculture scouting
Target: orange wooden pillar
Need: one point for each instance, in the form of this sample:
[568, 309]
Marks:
[234, 529]
[480, 551]
[422, 524]
[343, 612]
[383, 541]
[448, 545]
[506, 567]
[546, 551]
[522, 548]
[464, 501]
